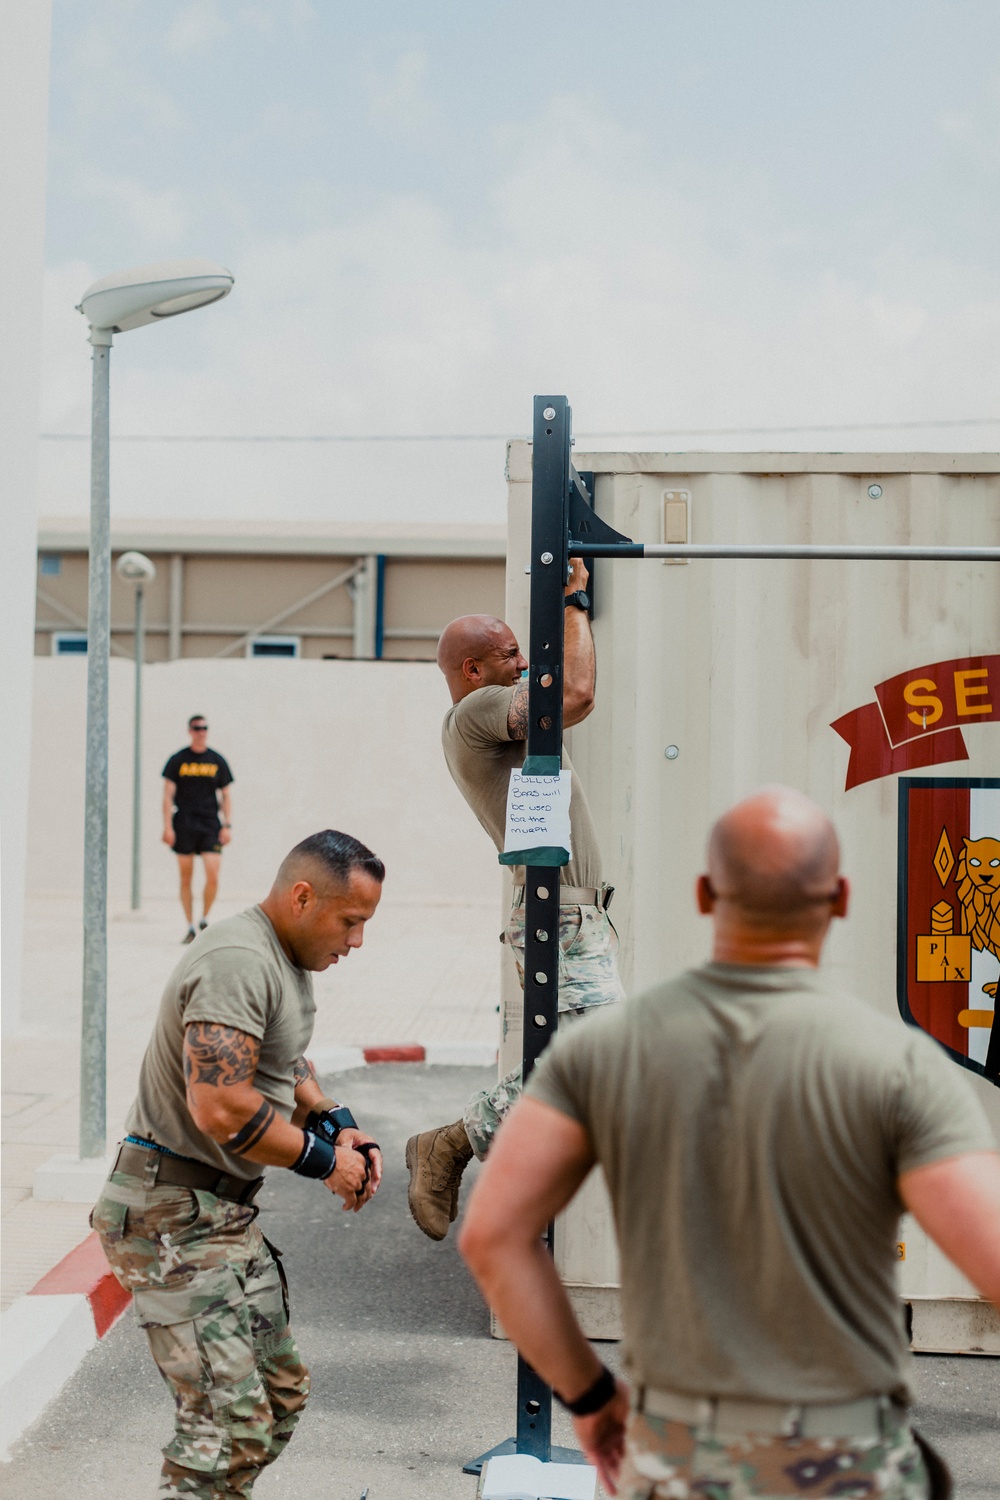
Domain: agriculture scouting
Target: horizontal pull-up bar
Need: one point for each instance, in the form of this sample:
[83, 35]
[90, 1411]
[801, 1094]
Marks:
[783, 549]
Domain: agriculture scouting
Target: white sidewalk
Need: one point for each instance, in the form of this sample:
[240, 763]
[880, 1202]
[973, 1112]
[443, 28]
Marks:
[427, 973]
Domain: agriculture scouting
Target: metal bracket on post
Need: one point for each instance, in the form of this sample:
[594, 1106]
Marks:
[553, 479]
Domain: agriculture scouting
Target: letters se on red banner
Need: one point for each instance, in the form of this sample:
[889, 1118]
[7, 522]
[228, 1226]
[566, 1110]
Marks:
[918, 717]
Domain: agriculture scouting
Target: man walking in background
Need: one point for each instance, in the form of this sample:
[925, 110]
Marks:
[761, 1134]
[196, 786]
[484, 737]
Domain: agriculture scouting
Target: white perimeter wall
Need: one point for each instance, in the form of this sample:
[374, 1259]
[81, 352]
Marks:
[312, 744]
[24, 95]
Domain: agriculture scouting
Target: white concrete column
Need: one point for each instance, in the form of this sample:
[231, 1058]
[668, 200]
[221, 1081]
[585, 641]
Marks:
[24, 98]
[175, 617]
[363, 591]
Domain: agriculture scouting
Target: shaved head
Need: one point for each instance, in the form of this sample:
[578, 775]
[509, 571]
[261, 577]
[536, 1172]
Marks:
[469, 635]
[477, 651]
[776, 858]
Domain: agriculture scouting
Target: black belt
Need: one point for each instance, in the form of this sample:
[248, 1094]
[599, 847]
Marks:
[157, 1169]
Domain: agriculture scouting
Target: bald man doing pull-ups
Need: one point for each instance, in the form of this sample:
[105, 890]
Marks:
[484, 737]
[761, 1132]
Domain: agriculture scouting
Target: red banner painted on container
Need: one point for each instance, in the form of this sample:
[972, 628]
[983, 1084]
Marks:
[918, 717]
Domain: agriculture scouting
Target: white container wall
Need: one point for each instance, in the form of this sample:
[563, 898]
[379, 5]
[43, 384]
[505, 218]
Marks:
[716, 677]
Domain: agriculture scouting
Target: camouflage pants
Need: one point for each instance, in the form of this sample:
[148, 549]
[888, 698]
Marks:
[588, 977]
[673, 1461]
[210, 1296]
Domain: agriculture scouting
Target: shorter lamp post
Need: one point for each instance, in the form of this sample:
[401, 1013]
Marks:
[136, 569]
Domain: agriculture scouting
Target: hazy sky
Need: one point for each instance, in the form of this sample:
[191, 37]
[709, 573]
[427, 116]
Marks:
[689, 215]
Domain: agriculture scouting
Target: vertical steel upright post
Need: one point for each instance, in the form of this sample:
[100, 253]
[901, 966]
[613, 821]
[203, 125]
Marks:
[93, 1025]
[140, 655]
[550, 462]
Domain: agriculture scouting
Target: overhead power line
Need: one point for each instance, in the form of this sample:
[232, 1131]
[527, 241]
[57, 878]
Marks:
[497, 437]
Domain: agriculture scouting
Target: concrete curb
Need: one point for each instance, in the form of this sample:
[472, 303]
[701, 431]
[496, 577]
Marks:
[45, 1335]
[434, 1054]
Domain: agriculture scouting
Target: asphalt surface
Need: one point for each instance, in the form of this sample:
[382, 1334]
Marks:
[407, 1383]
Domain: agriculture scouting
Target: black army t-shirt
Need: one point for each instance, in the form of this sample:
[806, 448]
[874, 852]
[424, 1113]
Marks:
[197, 775]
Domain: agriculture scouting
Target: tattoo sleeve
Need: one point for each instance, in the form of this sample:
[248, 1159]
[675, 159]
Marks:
[244, 1140]
[517, 714]
[218, 1055]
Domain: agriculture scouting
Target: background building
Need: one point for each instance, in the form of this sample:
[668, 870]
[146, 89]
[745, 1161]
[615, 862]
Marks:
[228, 589]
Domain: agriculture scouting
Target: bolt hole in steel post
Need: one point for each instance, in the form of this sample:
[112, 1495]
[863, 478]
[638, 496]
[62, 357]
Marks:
[546, 679]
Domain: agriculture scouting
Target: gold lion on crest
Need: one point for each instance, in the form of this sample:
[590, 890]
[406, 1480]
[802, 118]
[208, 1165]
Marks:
[978, 885]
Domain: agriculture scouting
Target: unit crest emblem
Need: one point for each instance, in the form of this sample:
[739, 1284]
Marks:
[948, 955]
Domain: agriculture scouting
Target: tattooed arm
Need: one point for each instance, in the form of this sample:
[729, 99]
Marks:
[220, 1064]
[308, 1094]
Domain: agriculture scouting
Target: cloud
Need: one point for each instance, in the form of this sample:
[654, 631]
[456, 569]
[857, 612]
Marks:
[398, 97]
[160, 217]
[586, 271]
[196, 27]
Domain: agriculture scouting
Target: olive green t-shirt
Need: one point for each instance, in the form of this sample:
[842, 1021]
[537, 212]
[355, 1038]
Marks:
[752, 1124]
[481, 755]
[235, 974]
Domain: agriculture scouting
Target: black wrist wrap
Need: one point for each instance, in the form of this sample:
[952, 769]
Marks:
[318, 1157]
[594, 1397]
[328, 1123]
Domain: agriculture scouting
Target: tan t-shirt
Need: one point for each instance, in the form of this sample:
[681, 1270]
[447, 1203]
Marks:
[752, 1124]
[237, 975]
[481, 755]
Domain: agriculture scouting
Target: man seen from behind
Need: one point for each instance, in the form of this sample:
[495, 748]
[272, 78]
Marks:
[761, 1134]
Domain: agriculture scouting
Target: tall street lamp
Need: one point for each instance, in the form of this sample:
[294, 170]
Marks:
[136, 569]
[115, 304]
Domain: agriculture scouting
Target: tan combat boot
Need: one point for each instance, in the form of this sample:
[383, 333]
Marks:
[435, 1161]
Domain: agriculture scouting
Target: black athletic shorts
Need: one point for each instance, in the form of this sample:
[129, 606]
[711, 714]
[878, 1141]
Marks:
[196, 835]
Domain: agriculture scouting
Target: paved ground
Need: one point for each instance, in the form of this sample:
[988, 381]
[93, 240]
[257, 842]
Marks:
[408, 1383]
[428, 972]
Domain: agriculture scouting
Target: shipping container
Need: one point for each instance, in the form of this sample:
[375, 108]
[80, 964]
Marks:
[872, 686]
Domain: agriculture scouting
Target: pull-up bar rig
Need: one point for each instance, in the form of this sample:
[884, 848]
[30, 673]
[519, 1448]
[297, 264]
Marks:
[564, 524]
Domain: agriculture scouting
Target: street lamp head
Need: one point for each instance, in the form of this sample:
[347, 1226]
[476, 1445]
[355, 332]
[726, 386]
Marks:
[135, 567]
[148, 294]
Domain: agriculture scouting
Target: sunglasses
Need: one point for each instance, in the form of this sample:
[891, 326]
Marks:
[197, 728]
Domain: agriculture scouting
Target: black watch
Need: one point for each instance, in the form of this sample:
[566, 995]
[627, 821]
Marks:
[579, 600]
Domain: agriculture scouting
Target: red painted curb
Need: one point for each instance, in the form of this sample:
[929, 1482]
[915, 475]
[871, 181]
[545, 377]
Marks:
[394, 1054]
[86, 1270]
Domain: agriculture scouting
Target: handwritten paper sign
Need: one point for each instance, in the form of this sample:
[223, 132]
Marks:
[537, 813]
